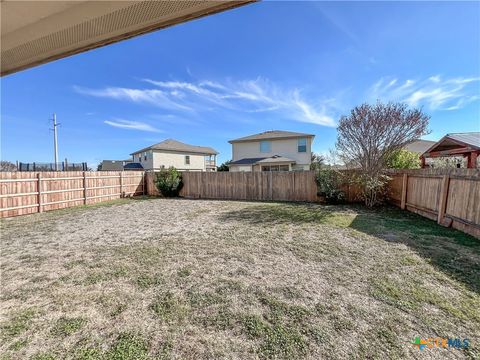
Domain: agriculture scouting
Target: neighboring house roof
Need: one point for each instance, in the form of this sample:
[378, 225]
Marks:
[419, 146]
[455, 141]
[245, 161]
[272, 134]
[114, 165]
[266, 160]
[174, 145]
[133, 166]
[275, 159]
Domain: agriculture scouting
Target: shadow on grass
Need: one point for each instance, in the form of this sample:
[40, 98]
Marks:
[282, 213]
[454, 253]
[451, 251]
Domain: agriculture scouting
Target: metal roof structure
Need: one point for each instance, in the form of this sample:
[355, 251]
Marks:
[177, 146]
[37, 32]
[271, 135]
[456, 144]
[470, 138]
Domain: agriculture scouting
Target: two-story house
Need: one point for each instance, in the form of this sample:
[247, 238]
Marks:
[174, 153]
[272, 151]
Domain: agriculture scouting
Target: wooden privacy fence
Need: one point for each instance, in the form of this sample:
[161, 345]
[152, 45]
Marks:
[450, 197]
[26, 192]
[281, 186]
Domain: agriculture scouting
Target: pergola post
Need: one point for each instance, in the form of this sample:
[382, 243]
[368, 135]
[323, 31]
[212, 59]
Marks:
[422, 160]
[472, 160]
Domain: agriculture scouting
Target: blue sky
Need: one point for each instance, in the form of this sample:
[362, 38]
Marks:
[293, 66]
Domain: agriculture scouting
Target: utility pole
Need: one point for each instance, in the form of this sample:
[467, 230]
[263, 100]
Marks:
[55, 144]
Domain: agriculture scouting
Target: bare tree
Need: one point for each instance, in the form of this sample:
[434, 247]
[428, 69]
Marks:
[7, 166]
[371, 133]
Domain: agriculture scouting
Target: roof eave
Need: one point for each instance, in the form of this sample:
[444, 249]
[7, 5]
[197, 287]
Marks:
[272, 138]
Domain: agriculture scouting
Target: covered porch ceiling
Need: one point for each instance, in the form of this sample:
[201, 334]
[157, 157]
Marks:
[36, 32]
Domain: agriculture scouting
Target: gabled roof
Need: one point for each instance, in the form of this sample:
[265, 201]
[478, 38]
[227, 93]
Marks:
[470, 138]
[177, 146]
[272, 134]
[419, 146]
[455, 141]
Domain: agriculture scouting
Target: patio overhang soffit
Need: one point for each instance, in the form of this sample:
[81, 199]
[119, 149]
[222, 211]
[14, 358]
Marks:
[37, 32]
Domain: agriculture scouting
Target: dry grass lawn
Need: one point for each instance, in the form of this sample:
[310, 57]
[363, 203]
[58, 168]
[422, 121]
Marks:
[160, 279]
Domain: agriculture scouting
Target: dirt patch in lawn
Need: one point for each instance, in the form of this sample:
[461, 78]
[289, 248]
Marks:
[163, 279]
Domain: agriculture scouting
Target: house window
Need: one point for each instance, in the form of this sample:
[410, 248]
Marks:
[145, 156]
[302, 145]
[265, 146]
[187, 159]
[140, 158]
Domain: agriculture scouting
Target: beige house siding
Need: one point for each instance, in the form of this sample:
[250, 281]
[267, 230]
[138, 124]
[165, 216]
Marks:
[283, 147]
[158, 159]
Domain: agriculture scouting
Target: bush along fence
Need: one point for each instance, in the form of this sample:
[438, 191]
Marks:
[27, 192]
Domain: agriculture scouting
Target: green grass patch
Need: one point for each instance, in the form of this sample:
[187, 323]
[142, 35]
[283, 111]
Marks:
[43, 356]
[145, 281]
[276, 340]
[67, 326]
[128, 346]
[18, 324]
[169, 307]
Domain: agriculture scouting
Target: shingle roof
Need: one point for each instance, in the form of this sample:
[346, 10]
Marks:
[174, 145]
[246, 161]
[133, 166]
[272, 134]
[470, 138]
[419, 146]
[275, 159]
[266, 160]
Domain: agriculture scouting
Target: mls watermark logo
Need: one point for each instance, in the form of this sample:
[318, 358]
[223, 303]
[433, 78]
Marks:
[441, 343]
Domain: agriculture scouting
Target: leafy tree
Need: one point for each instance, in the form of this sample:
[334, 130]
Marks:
[403, 159]
[370, 134]
[329, 182]
[7, 166]
[224, 166]
[169, 182]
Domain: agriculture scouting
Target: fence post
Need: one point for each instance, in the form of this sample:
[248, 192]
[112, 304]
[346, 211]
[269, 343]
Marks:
[84, 188]
[143, 182]
[404, 191]
[121, 184]
[39, 190]
[442, 206]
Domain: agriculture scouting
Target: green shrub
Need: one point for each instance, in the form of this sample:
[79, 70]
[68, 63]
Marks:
[169, 182]
[403, 159]
[329, 182]
[373, 188]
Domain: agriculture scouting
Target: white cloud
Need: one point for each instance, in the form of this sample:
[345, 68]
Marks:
[246, 96]
[434, 92]
[151, 96]
[131, 125]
